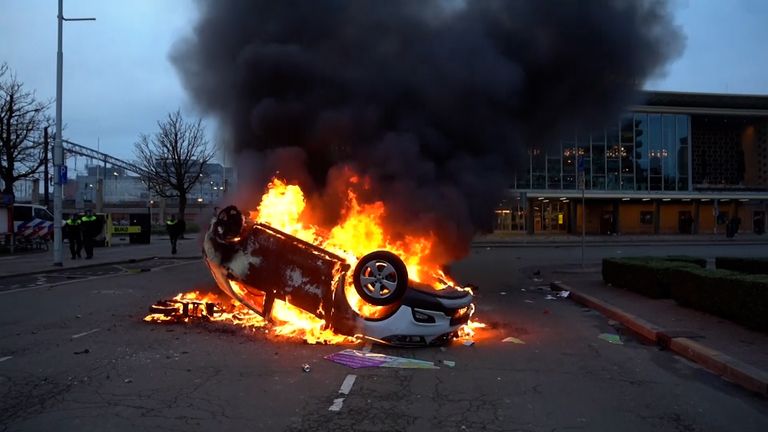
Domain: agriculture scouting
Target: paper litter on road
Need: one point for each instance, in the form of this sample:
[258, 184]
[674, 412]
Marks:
[448, 363]
[469, 342]
[612, 338]
[528, 301]
[564, 294]
[513, 340]
[549, 297]
[360, 359]
[503, 293]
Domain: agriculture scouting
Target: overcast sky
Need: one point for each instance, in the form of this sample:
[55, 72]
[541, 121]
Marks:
[118, 81]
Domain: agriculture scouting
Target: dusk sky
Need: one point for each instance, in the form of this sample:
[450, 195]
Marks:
[118, 80]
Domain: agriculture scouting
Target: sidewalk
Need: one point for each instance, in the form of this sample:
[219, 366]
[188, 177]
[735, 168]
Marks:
[501, 239]
[121, 251]
[723, 347]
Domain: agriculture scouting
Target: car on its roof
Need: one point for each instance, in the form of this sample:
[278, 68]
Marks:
[257, 264]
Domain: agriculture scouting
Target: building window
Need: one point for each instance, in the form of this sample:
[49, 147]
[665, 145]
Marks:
[646, 217]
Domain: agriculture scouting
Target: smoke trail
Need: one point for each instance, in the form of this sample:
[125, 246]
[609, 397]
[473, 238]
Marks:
[435, 100]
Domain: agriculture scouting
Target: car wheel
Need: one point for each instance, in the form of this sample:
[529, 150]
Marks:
[380, 278]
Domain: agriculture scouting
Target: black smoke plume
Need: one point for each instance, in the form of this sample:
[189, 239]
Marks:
[437, 101]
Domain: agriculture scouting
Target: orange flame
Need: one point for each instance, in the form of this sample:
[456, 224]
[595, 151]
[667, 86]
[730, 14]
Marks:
[360, 230]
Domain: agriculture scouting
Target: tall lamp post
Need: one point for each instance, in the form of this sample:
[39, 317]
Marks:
[58, 149]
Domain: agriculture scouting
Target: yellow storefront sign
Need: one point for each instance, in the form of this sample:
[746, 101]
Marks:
[130, 229]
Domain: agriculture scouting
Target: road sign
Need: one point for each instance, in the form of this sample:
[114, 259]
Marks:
[62, 174]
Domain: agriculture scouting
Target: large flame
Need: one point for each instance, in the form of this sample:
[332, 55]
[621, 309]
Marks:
[360, 230]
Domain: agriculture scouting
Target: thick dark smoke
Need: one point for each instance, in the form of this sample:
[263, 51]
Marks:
[436, 100]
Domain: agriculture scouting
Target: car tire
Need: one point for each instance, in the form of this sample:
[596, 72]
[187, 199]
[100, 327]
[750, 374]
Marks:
[380, 278]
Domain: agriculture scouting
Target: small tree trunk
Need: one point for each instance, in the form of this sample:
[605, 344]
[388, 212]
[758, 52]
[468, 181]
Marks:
[182, 206]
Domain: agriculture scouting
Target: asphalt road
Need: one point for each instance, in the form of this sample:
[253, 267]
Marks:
[139, 376]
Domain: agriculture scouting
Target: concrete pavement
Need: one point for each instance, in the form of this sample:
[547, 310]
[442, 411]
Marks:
[721, 346]
[121, 251]
[725, 348]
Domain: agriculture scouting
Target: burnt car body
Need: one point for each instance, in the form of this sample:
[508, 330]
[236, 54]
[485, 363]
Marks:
[257, 264]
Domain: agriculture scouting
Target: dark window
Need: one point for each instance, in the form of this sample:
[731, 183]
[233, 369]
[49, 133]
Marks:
[22, 213]
[43, 214]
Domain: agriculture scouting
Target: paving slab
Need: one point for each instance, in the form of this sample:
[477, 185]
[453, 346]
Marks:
[726, 348]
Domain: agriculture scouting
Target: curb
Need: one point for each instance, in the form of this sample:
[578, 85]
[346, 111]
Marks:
[543, 243]
[92, 265]
[727, 367]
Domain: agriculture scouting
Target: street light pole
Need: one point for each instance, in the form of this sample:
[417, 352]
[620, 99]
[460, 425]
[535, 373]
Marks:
[58, 149]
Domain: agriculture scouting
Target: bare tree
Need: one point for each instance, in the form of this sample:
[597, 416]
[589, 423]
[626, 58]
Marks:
[23, 120]
[174, 157]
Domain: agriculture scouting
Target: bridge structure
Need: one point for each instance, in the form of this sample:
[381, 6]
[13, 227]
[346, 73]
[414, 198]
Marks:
[81, 150]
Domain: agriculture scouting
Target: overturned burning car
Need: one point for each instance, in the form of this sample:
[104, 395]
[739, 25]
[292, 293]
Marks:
[257, 264]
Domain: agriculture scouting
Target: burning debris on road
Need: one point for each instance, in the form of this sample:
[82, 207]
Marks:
[281, 271]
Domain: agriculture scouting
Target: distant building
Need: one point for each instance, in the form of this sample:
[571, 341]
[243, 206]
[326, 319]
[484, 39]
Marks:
[679, 163]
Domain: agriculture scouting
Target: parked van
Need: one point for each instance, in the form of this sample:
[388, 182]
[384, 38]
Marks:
[32, 221]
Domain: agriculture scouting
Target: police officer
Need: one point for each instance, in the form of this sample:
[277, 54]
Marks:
[72, 226]
[175, 229]
[88, 227]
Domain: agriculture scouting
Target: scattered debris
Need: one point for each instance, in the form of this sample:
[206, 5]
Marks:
[549, 297]
[448, 363]
[537, 279]
[612, 338]
[503, 293]
[2, 359]
[613, 323]
[85, 351]
[78, 316]
[469, 342]
[564, 294]
[522, 289]
[305, 367]
[360, 359]
[513, 340]
[528, 301]
[128, 380]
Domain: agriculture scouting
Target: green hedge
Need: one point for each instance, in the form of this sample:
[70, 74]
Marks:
[731, 295]
[739, 297]
[646, 275]
[743, 265]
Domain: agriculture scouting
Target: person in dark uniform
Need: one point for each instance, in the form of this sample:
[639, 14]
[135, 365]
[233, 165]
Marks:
[73, 235]
[175, 229]
[88, 227]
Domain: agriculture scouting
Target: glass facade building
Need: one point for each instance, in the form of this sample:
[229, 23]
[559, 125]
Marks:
[641, 152]
[677, 163]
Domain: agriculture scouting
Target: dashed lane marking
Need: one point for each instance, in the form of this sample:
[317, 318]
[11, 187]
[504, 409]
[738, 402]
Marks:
[345, 388]
[85, 333]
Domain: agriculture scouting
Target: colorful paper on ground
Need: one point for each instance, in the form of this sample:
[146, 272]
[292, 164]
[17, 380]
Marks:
[360, 359]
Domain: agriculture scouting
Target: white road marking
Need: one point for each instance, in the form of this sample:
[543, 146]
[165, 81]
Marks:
[2, 359]
[337, 403]
[346, 386]
[85, 334]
